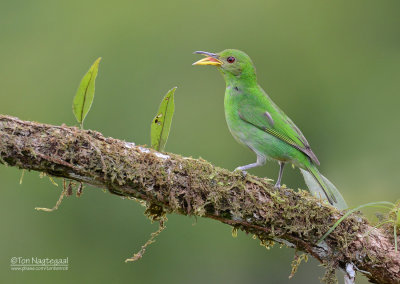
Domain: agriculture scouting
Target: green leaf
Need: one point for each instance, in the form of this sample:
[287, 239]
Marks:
[398, 218]
[161, 124]
[84, 96]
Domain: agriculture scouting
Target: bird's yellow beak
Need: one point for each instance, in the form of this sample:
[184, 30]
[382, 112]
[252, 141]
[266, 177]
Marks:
[211, 59]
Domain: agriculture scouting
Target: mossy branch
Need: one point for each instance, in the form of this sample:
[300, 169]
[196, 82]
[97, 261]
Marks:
[195, 187]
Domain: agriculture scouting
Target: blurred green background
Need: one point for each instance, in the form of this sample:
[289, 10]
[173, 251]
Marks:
[332, 66]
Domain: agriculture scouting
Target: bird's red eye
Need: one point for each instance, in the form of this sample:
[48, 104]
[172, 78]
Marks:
[230, 59]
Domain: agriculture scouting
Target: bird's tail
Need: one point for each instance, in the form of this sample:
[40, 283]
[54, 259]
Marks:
[321, 187]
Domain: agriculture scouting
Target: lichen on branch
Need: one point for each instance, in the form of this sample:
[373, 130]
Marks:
[190, 186]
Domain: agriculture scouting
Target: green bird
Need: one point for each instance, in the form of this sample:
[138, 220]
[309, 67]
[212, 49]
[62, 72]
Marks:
[258, 123]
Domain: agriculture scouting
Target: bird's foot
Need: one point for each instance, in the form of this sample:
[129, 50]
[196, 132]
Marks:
[277, 186]
[244, 173]
[280, 186]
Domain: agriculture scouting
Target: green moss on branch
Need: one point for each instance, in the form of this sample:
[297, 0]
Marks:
[195, 187]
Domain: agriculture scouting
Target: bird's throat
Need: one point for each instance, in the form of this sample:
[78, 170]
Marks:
[242, 81]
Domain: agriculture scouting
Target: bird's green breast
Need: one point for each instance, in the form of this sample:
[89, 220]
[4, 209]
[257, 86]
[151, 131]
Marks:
[239, 97]
[233, 99]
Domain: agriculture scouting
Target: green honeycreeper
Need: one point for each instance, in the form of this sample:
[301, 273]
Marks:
[258, 123]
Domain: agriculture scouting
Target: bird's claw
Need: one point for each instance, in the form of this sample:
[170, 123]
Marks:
[244, 173]
[280, 186]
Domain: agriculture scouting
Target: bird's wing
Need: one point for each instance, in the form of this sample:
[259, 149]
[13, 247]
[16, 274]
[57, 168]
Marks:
[273, 121]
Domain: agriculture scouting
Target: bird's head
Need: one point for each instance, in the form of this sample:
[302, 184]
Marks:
[233, 63]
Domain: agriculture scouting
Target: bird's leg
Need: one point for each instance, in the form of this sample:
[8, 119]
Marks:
[278, 182]
[260, 162]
